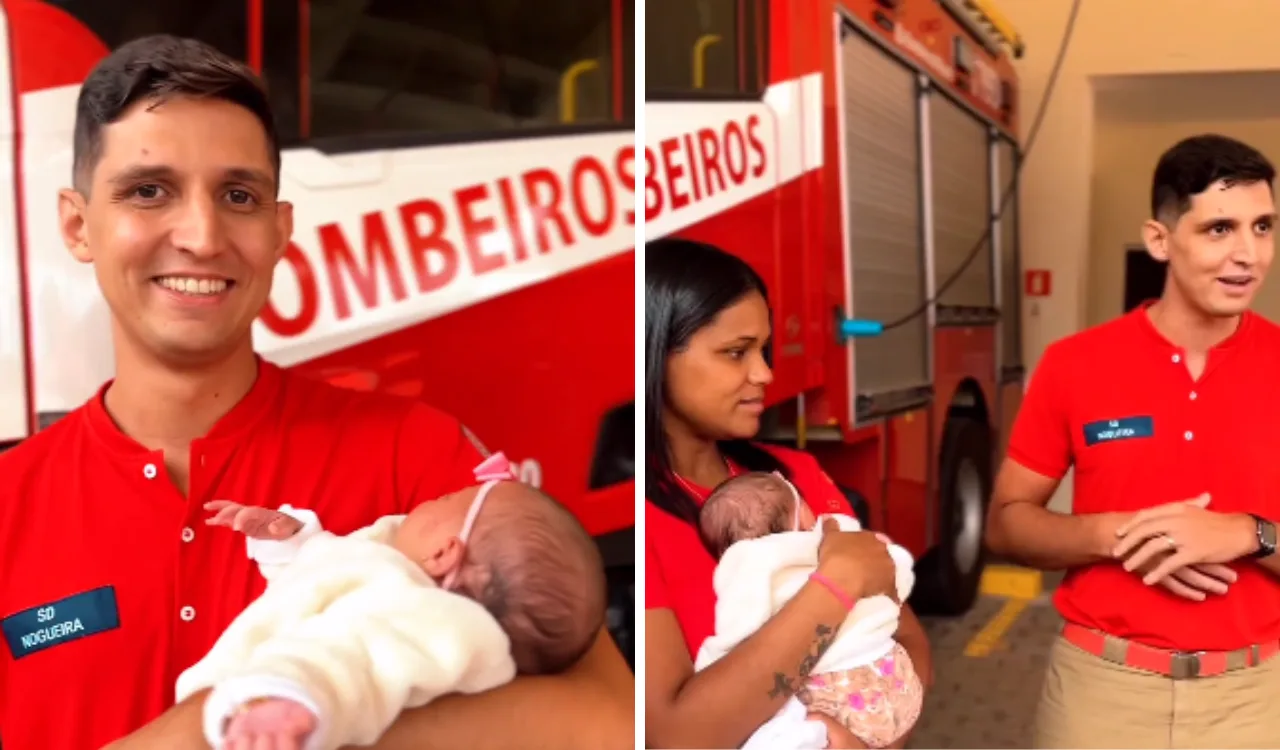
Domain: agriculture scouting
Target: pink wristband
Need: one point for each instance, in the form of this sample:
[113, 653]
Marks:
[845, 600]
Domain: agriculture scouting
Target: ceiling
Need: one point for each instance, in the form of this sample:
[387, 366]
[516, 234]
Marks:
[1249, 95]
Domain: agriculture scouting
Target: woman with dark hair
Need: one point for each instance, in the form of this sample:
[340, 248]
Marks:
[707, 332]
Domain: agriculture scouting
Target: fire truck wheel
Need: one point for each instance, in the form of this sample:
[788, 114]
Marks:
[948, 574]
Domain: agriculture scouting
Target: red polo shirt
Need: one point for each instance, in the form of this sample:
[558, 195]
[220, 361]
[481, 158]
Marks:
[678, 570]
[1118, 404]
[112, 584]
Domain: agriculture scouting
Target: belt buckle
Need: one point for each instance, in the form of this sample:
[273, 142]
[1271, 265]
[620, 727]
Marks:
[1185, 665]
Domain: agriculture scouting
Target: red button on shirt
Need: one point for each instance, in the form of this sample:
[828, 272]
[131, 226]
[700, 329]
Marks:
[678, 570]
[112, 584]
[1118, 403]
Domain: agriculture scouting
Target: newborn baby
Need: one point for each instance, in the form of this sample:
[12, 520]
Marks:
[457, 596]
[765, 539]
[750, 506]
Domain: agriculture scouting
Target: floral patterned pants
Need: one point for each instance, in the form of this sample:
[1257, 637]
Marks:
[878, 703]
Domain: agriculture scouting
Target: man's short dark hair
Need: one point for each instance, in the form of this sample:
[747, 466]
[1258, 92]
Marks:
[155, 68]
[1193, 164]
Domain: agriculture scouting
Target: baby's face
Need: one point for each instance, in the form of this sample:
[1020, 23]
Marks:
[430, 534]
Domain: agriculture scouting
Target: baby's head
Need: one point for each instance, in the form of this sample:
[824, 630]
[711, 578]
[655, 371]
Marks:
[525, 558]
[750, 506]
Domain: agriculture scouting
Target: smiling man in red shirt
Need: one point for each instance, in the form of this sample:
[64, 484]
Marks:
[112, 585]
[1170, 416]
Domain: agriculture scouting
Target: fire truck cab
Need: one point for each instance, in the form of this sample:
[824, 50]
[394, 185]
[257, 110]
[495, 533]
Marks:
[856, 153]
[463, 179]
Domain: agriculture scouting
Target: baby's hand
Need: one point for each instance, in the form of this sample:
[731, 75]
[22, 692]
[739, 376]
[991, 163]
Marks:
[838, 736]
[254, 522]
[275, 723]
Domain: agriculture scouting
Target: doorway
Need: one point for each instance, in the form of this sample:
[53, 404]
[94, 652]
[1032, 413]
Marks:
[1143, 277]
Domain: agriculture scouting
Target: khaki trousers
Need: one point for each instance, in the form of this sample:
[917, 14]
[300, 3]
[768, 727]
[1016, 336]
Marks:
[1087, 702]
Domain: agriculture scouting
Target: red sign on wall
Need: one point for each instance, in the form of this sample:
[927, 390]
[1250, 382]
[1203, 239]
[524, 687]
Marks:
[1039, 283]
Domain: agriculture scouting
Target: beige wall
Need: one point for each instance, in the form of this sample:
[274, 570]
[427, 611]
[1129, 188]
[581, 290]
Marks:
[1124, 153]
[1113, 37]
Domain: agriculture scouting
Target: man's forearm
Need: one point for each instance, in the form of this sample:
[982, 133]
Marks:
[179, 728]
[1270, 563]
[588, 708]
[553, 712]
[1039, 538]
[1249, 530]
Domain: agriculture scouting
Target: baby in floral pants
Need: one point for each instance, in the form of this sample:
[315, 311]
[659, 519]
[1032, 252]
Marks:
[765, 540]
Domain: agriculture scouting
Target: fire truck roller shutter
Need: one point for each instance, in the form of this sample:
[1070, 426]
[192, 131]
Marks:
[1010, 273]
[960, 169]
[883, 227]
[948, 574]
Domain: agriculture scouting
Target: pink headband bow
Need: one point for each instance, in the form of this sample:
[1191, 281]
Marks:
[489, 472]
[495, 467]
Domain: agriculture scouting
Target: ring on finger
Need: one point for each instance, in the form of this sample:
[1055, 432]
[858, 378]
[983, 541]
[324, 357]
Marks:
[1173, 544]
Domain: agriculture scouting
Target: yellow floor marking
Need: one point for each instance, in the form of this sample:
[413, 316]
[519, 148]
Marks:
[989, 638]
[1017, 586]
[1011, 581]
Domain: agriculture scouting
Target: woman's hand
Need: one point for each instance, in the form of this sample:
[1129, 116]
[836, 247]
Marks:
[857, 561]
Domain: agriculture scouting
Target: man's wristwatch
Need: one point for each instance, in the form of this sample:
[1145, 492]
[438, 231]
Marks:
[1266, 532]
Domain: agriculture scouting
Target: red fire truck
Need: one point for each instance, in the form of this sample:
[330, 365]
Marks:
[855, 152]
[462, 175]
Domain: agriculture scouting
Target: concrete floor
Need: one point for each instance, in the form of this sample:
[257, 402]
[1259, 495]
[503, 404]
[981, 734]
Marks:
[986, 700]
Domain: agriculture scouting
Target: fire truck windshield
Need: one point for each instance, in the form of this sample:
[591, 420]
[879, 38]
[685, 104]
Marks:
[447, 68]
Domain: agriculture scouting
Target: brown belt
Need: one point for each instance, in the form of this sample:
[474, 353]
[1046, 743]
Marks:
[1180, 665]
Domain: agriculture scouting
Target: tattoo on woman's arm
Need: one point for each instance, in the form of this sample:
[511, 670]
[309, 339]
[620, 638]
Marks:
[824, 636]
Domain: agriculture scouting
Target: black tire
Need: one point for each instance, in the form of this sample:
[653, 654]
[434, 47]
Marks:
[947, 576]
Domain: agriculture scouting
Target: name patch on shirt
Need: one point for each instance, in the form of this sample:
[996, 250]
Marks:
[60, 622]
[1110, 430]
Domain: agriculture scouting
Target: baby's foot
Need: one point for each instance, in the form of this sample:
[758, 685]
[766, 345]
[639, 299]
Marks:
[276, 723]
